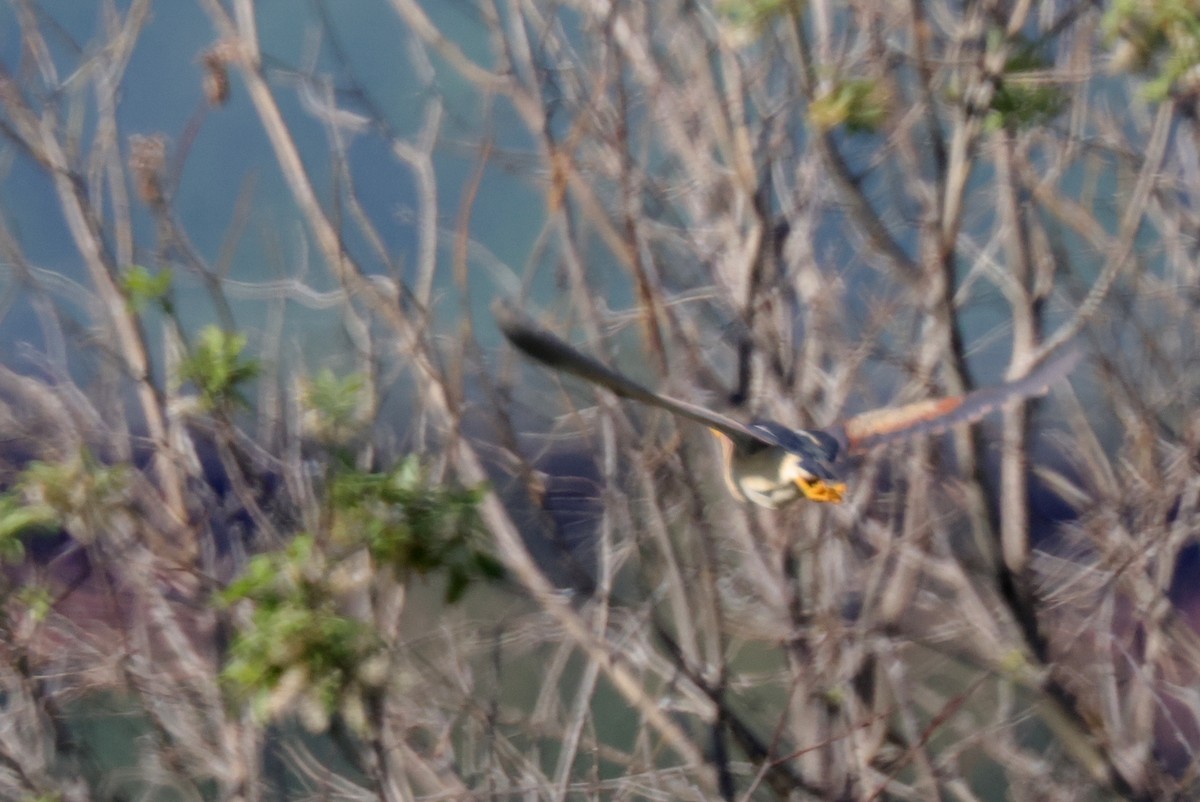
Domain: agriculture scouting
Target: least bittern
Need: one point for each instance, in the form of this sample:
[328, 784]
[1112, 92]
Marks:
[768, 463]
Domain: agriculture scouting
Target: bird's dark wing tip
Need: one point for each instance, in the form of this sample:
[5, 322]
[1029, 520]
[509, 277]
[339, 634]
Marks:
[509, 318]
[527, 336]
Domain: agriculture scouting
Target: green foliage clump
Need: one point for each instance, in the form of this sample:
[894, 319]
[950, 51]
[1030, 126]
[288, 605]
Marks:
[80, 494]
[38, 600]
[333, 405]
[859, 104]
[413, 525]
[1158, 37]
[1019, 101]
[143, 288]
[756, 14]
[218, 369]
[297, 644]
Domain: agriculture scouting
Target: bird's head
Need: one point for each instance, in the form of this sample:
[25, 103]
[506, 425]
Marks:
[808, 461]
[784, 465]
[813, 475]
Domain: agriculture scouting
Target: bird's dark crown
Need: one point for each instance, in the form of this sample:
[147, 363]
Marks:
[818, 450]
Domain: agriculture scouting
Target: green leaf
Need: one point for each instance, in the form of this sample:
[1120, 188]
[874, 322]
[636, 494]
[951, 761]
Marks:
[1159, 38]
[456, 584]
[218, 370]
[142, 287]
[1022, 99]
[858, 104]
[79, 494]
[18, 517]
[38, 599]
[334, 405]
[756, 14]
[489, 566]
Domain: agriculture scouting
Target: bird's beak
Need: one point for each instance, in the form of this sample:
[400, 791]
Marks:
[819, 490]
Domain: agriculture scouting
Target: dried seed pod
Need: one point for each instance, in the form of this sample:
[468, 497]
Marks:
[216, 75]
[147, 162]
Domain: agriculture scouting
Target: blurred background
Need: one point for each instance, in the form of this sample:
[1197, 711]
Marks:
[283, 517]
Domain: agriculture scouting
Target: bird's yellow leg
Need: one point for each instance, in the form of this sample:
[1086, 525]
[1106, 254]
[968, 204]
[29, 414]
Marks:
[818, 490]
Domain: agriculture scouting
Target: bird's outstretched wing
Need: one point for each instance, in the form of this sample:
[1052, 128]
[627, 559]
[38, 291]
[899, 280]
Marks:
[548, 349]
[939, 414]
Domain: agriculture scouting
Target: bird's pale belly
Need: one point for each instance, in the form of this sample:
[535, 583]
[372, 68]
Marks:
[755, 478]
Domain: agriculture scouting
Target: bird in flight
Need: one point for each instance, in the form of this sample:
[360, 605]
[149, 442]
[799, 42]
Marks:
[770, 464]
